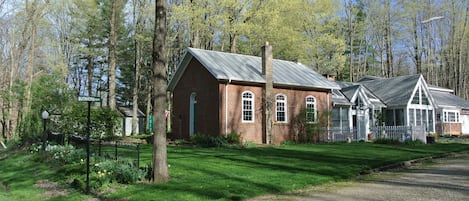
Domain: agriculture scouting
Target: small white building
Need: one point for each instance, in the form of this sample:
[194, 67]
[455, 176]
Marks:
[126, 113]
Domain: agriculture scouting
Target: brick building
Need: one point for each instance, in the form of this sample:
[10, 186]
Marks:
[260, 98]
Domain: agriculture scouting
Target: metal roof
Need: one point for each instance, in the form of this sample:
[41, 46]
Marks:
[395, 91]
[445, 99]
[338, 98]
[349, 90]
[245, 68]
[128, 112]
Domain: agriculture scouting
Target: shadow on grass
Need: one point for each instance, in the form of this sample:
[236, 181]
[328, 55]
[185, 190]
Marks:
[236, 174]
[232, 174]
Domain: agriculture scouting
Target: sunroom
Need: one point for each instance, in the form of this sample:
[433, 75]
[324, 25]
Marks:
[421, 110]
[407, 99]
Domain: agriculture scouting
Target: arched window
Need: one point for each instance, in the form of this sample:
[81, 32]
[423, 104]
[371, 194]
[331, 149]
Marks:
[281, 108]
[310, 109]
[248, 106]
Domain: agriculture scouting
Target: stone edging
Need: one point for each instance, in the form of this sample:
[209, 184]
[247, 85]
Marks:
[406, 164]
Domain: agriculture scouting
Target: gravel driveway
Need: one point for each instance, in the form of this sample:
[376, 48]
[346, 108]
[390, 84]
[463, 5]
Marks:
[443, 179]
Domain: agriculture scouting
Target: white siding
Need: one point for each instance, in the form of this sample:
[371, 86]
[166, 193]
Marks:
[465, 124]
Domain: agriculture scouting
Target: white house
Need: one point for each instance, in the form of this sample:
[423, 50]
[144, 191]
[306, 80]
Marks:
[371, 102]
[126, 113]
[407, 98]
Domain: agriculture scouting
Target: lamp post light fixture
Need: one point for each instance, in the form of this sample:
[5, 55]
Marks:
[45, 116]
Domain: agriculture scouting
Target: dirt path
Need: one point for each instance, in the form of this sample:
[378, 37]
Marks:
[443, 179]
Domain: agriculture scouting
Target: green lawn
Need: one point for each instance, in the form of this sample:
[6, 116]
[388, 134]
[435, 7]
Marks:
[228, 173]
[19, 172]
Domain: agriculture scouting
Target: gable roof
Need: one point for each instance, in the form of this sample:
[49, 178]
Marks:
[395, 91]
[350, 91]
[245, 68]
[128, 112]
[368, 78]
[338, 98]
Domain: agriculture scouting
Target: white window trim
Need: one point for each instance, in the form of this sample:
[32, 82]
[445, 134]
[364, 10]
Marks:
[420, 90]
[252, 107]
[315, 113]
[457, 116]
[284, 107]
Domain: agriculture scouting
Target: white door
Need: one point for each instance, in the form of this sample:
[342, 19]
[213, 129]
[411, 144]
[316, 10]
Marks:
[361, 121]
[465, 124]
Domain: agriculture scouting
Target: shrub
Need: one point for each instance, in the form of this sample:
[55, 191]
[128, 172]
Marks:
[72, 163]
[215, 141]
[288, 142]
[105, 121]
[233, 138]
[208, 141]
[413, 142]
[34, 148]
[123, 172]
[390, 141]
[148, 171]
[249, 144]
[307, 132]
[180, 142]
[65, 153]
[199, 140]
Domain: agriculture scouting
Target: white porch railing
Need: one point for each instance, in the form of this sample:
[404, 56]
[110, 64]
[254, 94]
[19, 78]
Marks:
[400, 133]
[340, 135]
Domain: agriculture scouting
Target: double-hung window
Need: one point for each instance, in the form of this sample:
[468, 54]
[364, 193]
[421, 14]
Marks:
[310, 109]
[281, 108]
[248, 106]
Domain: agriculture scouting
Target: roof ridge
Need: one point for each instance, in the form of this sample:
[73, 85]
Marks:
[247, 55]
[248, 68]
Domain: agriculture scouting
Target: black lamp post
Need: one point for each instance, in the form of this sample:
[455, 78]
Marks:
[45, 115]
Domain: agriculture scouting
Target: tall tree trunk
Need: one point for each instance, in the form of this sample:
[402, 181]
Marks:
[112, 57]
[233, 42]
[453, 48]
[462, 70]
[351, 31]
[29, 75]
[388, 39]
[418, 61]
[138, 49]
[194, 40]
[382, 65]
[35, 12]
[160, 164]
[11, 103]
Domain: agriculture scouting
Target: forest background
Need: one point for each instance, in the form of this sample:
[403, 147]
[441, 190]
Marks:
[56, 50]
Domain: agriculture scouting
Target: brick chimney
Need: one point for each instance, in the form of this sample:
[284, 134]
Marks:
[267, 60]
